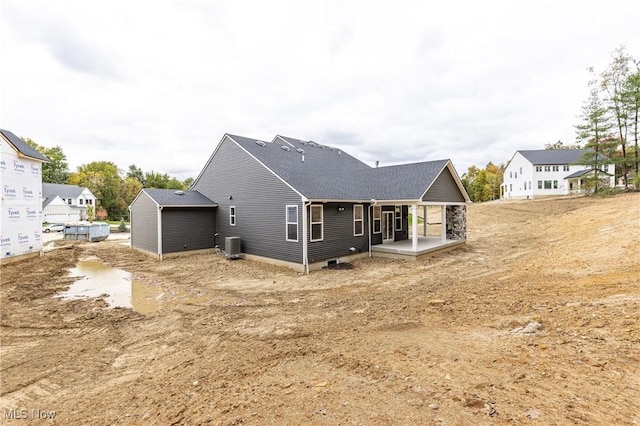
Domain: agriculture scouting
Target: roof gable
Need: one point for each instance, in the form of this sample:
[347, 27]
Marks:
[552, 156]
[177, 198]
[322, 172]
[22, 147]
[63, 190]
[317, 171]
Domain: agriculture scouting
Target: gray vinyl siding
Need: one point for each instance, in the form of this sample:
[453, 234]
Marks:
[260, 199]
[186, 229]
[144, 224]
[338, 233]
[404, 233]
[444, 189]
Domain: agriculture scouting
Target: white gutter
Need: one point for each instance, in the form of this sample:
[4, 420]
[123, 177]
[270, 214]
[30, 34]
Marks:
[369, 224]
[160, 232]
[305, 245]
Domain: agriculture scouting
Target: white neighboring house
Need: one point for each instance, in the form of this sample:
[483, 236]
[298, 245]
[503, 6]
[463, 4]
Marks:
[66, 203]
[548, 172]
[21, 209]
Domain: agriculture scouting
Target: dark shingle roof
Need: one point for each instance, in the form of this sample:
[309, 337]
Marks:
[405, 181]
[172, 197]
[22, 147]
[581, 173]
[63, 190]
[323, 172]
[552, 156]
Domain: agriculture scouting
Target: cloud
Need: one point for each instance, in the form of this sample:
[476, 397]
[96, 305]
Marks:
[159, 85]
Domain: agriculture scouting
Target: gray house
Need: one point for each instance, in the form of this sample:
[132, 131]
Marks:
[169, 221]
[307, 205]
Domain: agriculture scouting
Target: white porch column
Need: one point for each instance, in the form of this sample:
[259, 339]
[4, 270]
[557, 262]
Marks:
[414, 227]
[443, 219]
[424, 223]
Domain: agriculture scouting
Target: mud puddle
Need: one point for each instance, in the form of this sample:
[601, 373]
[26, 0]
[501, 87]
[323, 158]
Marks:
[116, 286]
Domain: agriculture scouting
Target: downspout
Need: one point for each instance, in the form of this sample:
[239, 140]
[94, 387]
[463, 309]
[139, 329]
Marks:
[369, 224]
[160, 232]
[305, 245]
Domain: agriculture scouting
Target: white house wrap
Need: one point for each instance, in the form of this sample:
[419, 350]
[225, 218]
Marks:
[21, 212]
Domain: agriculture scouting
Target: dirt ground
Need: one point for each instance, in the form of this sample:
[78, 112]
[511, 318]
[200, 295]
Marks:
[534, 320]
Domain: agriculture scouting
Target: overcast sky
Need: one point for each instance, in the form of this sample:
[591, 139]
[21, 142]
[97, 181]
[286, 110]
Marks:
[158, 83]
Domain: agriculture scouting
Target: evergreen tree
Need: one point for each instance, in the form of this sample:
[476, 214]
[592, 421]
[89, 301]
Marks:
[595, 131]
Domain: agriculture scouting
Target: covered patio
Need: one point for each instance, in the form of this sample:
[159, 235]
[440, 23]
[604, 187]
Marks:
[443, 226]
[404, 249]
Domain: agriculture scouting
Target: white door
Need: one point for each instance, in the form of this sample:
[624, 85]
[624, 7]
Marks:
[387, 227]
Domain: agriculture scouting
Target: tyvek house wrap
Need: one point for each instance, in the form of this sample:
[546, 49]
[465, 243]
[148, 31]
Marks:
[21, 212]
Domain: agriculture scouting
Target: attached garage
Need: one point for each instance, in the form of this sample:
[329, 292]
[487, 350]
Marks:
[166, 221]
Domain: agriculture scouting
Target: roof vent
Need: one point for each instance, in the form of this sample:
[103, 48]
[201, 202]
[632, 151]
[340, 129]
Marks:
[179, 192]
[303, 143]
[286, 148]
[312, 143]
[260, 143]
[300, 150]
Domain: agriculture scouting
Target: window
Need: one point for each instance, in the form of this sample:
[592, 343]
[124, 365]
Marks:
[398, 218]
[555, 184]
[510, 187]
[358, 220]
[292, 223]
[80, 201]
[69, 201]
[605, 168]
[565, 168]
[377, 219]
[520, 170]
[539, 184]
[525, 186]
[547, 184]
[89, 202]
[510, 175]
[316, 223]
[547, 168]
[556, 168]
[538, 168]
[232, 215]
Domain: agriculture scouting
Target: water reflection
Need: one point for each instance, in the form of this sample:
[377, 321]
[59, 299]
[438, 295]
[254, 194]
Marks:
[97, 279]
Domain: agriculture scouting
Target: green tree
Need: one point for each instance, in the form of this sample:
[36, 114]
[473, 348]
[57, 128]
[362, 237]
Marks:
[631, 98]
[595, 130]
[560, 145]
[128, 191]
[188, 182]
[614, 85]
[483, 184]
[56, 170]
[103, 179]
[162, 181]
[136, 173]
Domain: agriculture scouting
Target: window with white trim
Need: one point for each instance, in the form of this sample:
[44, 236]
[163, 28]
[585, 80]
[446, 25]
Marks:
[398, 218]
[565, 168]
[317, 231]
[358, 220]
[292, 223]
[538, 168]
[232, 215]
[556, 168]
[377, 219]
